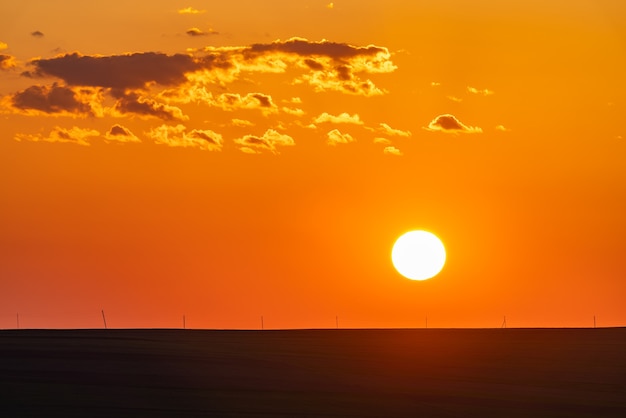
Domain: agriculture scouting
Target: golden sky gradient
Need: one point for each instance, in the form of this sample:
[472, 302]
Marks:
[232, 160]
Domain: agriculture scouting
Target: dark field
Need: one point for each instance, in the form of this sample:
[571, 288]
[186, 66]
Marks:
[314, 373]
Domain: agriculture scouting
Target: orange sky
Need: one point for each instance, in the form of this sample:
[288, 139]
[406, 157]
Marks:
[232, 160]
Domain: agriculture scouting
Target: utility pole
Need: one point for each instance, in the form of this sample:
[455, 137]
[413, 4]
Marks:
[504, 323]
[104, 320]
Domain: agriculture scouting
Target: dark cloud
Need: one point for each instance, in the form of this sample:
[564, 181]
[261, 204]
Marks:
[199, 32]
[133, 103]
[53, 99]
[118, 130]
[263, 99]
[343, 72]
[37, 34]
[6, 62]
[303, 47]
[449, 123]
[120, 71]
[314, 65]
[195, 32]
[205, 136]
[120, 134]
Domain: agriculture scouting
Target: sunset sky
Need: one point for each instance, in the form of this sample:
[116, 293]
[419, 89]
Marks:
[237, 159]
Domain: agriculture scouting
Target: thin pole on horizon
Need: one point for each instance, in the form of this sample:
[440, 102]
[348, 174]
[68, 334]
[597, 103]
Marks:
[504, 322]
[184, 324]
[104, 320]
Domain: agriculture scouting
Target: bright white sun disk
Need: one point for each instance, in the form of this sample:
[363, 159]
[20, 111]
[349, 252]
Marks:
[418, 255]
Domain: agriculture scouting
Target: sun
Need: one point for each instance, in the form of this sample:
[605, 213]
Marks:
[418, 255]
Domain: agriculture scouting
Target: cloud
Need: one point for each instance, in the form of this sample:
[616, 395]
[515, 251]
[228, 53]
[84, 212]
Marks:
[241, 122]
[337, 51]
[502, 128]
[7, 62]
[74, 135]
[199, 32]
[118, 133]
[450, 124]
[270, 141]
[330, 6]
[232, 101]
[335, 137]
[330, 66]
[342, 118]
[392, 151]
[132, 71]
[37, 34]
[293, 111]
[190, 11]
[142, 106]
[394, 132]
[455, 99]
[177, 136]
[54, 99]
[383, 141]
[483, 92]
[3, 45]
[435, 84]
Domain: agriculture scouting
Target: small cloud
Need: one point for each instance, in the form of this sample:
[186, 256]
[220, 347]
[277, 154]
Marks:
[190, 11]
[502, 128]
[293, 111]
[395, 132]
[178, 136]
[270, 141]
[455, 99]
[233, 101]
[73, 135]
[37, 34]
[118, 133]
[335, 137]
[131, 102]
[295, 100]
[434, 84]
[199, 32]
[619, 137]
[392, 151]
[7, 62]
[383, 141]
[3, 45]
[342, 118]
[484, 92]
[330, 6]
[450, 124]
[241, 122]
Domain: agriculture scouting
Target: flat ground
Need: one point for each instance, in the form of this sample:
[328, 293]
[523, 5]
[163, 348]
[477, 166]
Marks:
[314, 373]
